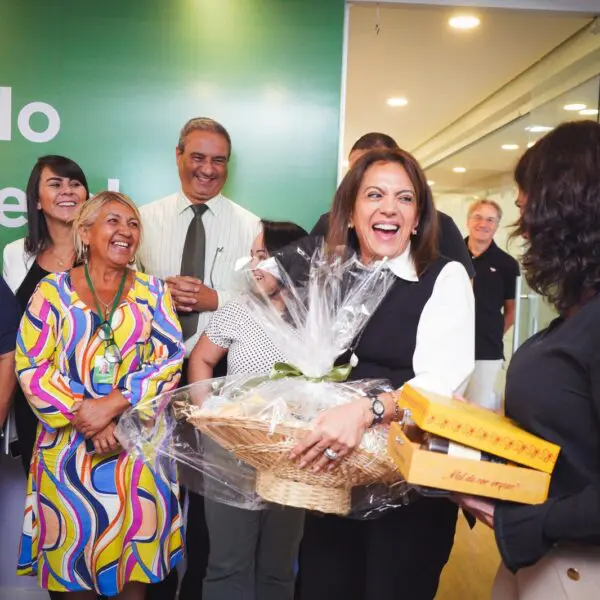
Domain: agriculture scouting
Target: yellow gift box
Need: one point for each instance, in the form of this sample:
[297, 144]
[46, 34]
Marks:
[478, 428]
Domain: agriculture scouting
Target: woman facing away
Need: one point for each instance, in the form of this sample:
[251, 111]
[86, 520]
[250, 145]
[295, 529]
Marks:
[252, 552]
[94, 341]
[551, 551]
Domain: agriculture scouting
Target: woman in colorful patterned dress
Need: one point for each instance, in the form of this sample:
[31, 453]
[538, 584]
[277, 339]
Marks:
[94, 341]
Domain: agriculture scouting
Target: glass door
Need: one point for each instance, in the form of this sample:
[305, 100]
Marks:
[532, 314]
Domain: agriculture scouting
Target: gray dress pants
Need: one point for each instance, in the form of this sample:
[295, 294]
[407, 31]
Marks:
[252, 552]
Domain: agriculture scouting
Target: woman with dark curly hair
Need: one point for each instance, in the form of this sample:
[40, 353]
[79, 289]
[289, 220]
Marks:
[552, 550]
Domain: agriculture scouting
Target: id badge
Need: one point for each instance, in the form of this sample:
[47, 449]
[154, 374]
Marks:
[104, 371]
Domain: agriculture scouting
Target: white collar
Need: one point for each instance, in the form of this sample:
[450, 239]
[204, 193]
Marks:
[213, 204]
[403, 266]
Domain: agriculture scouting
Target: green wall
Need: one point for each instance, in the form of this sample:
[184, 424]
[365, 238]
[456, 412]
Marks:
[124, 75]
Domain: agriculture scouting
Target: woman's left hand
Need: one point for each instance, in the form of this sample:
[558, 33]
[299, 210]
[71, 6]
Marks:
[105, 442]
[339, 429]
[481, 508]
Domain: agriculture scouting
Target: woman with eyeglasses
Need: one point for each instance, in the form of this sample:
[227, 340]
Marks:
[94, 341]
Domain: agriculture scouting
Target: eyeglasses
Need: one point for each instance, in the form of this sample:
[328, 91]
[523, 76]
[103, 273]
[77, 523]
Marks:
[112, 354]
[488, 220]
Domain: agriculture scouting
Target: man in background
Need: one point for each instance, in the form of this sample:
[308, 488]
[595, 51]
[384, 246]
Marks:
[494, 288]
[192, 239]
[451, 244]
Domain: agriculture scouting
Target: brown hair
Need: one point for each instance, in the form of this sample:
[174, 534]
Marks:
[424, 244]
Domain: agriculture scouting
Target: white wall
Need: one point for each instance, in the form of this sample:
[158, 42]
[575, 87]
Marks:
[457, 205]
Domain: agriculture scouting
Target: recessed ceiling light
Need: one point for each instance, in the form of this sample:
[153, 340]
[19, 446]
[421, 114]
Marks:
[464, 22]
[459, 170]
[430, 183]
[575, 106]
[589, 112]
[530, 144]
[510, 146]
[397, 101]
[538, 128]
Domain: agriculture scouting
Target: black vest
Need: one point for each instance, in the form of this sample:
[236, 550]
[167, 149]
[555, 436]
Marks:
[386, 347]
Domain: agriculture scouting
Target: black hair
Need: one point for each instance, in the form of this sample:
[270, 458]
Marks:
[202, 124]
[38, 237]
[278, 234]
[375, 140]
[559, 179]
[424, 244]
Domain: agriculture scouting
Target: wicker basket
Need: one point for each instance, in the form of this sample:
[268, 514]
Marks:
[279, 479]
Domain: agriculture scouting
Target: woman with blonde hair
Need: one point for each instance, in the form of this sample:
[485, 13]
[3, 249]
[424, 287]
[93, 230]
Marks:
[94, 341]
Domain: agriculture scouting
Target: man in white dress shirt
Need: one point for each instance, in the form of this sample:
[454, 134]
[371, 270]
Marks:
[192, 239]
[202, 157]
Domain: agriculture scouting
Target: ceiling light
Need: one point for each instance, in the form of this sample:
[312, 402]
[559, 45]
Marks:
[591, 112]
[530, 144]
[510, 146]
[459, 170]
[575, 106]
[430, 183]
[538, 128]
[464, 22]
[397, 101]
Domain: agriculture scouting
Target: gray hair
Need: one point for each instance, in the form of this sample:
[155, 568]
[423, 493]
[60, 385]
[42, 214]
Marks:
[485, 202]
[89, 213]
[202, 124]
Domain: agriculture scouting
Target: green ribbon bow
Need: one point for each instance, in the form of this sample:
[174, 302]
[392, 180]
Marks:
[338, 374]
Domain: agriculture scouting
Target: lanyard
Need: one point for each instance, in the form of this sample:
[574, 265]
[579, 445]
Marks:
[115, 301]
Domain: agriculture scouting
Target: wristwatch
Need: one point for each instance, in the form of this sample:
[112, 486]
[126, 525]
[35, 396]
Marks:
[378, 410]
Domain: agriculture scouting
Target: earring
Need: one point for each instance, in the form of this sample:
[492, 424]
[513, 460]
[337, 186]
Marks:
[85, 253]
[133, 260]
[414, 231]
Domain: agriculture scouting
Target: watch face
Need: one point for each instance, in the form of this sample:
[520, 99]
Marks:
[378, 408]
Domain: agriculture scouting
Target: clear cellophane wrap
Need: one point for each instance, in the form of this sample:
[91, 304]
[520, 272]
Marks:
[231, 437]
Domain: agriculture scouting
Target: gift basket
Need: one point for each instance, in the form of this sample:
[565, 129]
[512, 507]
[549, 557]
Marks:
[244, 427]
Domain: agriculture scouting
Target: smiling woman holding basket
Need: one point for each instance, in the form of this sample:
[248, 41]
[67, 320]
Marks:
[422, 333]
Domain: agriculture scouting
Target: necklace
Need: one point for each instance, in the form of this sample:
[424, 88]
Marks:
[98, 300]
[59, 260]
[112, 354]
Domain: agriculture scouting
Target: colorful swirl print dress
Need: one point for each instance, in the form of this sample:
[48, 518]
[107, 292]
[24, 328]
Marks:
[96, 522]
